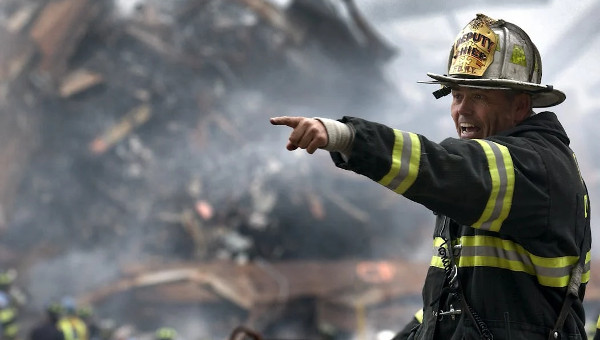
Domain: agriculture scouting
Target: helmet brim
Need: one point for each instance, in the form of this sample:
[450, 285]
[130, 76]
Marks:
[541, 95]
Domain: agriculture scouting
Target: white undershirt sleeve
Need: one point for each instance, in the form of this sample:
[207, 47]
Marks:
[341, 136]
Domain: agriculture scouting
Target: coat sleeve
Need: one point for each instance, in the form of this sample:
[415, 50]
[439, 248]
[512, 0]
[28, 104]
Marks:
[471, 181]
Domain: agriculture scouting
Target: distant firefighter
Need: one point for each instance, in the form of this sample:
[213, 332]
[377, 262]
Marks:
[86, 314]
[72, 326]
[48, 328]
[11, 299]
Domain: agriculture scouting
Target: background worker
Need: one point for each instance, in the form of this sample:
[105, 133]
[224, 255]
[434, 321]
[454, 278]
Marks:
[86, 314]
[70, 324]
[9, 328]
[512, 236]
[48, 328]
[11, 300]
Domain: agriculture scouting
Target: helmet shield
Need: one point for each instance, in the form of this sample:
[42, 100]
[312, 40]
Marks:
[473, 50]
[495, 54]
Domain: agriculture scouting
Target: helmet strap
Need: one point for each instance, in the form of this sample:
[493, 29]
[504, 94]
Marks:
[442, 92]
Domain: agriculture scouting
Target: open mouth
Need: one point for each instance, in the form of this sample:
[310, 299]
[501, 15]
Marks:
[468, 130]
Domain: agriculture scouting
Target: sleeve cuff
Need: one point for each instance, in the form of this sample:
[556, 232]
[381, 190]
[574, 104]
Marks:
[340, 135]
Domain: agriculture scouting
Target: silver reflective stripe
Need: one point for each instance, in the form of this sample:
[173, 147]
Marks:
[514, 256]
[405, 161]
[494, 252]
[502, 177]
[502, 187]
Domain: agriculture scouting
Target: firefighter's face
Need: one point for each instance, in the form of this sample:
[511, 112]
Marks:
[480, 113]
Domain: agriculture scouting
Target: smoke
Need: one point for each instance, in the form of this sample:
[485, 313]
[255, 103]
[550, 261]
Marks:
[209, 140]
[70, 274]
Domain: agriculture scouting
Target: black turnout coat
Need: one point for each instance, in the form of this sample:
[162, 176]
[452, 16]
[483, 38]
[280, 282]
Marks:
[515, 209]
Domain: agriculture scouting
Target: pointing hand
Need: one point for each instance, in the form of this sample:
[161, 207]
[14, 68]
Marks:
[308, 133]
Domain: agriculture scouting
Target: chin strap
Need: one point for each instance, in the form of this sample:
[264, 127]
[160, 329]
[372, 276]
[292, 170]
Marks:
[442, 92]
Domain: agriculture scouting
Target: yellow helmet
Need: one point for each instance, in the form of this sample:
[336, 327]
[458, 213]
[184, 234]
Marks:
[54, 309]
[165, 333]
[85, 311]
[7, 277]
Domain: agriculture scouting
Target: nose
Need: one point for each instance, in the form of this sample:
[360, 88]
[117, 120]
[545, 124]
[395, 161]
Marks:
[464, 107]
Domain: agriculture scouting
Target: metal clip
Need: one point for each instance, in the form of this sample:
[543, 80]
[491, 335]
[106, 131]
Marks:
[456, 250]
[454, 273]
[452, 312]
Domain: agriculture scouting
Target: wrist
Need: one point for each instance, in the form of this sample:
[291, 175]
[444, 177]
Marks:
[340, 136]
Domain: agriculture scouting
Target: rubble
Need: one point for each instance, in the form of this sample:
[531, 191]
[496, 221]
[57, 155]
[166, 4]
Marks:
[142, 136]
[259, 287]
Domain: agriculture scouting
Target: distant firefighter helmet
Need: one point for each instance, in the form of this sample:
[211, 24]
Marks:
[85, 311]
[54, 309]
[495, 54]
[69, 305]
[165, 333]
[7, 277]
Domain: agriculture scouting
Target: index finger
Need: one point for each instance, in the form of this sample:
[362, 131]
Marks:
[285, 120]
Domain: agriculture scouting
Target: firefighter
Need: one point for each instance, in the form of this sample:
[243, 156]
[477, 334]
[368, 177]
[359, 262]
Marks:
[11, 299]
[511, 244]
[48, 328]
[71, 325]
[86, 314]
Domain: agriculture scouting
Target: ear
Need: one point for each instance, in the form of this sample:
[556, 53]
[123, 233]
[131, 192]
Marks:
[522, 106]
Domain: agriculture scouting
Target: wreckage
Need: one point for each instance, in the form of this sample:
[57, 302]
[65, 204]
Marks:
[135, 173]
[137, 136]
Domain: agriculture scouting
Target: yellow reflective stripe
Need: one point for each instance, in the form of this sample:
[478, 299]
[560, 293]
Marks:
[419, 315]
[413, 165]
[11, 330]
[585, 197]
[491, 203]
[598, 323]
[578, 170]
[7, 314]
[438, 241]
[488, 251]
[502, 173]
[585, 277]
[436, 261]
[496, 262]
[406, 156]
[73, 328]
[395, 166]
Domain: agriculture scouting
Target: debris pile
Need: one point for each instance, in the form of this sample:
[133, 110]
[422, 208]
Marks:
[143, 133]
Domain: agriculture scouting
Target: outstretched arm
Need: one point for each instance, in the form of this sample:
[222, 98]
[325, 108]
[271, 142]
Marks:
[314, 133]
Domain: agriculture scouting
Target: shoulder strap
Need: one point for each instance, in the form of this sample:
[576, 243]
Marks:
[454, 283]
[572, 294]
